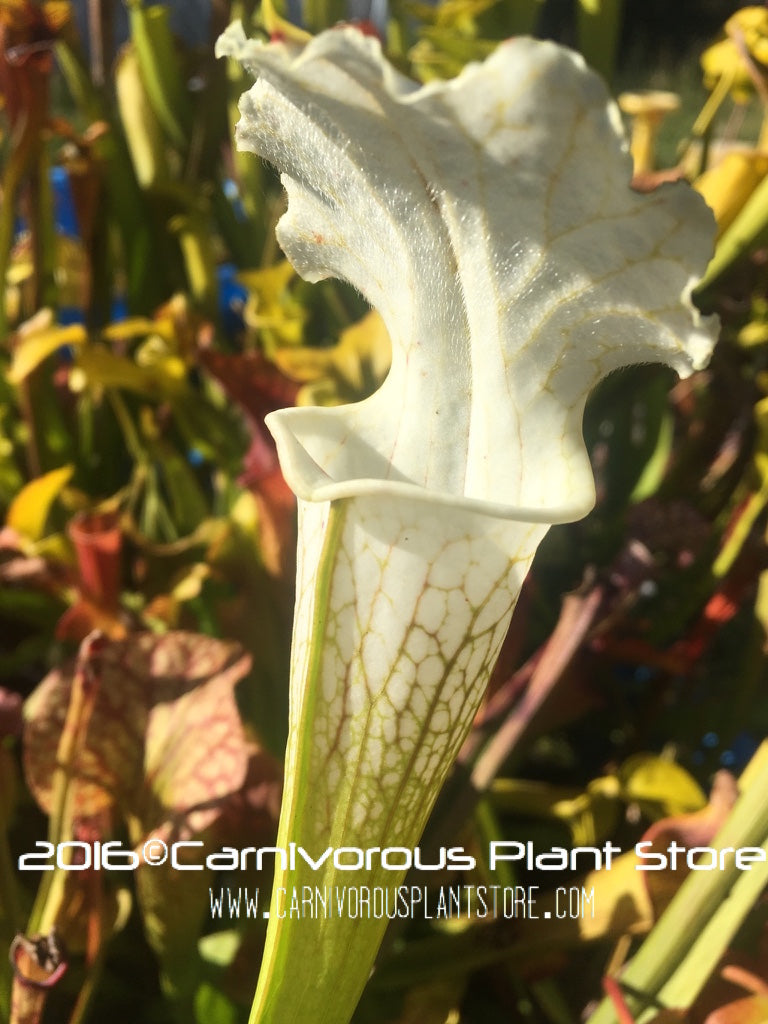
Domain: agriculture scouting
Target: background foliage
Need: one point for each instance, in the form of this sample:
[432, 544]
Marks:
[147, 324]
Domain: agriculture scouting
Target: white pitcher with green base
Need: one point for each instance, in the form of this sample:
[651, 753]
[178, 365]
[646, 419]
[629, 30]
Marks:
[489, 220]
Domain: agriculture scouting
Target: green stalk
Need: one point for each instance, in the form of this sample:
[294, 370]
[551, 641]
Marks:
[737, 538]
[79, 84]
[12, 177]
[161, 70]
[708, 908]
[703, 957]
[598, 27]
[10, 910]
[143, 133]
[520, 18]
[242, 239]
[248, 171]
[194, 237]
[44, 233]
[124, 197]
[93, 976]
[81, 701]
[301, 945]
[319, 14]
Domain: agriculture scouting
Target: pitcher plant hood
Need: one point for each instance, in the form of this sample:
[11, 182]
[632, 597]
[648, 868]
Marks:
[490, 221]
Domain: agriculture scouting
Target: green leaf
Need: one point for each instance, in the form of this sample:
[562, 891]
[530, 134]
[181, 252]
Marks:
[142, 130]
[598, 24]
[661, 787]
[164, 378]
[161, 70]
[213, 1007]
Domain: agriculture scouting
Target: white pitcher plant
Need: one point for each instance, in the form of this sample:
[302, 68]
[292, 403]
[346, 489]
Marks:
[490, 221]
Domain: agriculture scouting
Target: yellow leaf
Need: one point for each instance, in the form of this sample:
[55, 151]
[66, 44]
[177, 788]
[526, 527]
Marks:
[273, 23]
[57, 14]
[727, 186]
[133, 327]
[752, 24]
[29, 509]
[143, 132]
[616, 902]
[662, 788]
[191, 584]
[270, 306]
[724, 59]
[163, 379]
[268, 283]
[35, 347]
[347, 372]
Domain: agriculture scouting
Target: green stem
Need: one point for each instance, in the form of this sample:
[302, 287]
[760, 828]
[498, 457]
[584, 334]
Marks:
[736, 540]
[43, 232]
[248, 169]
[81, 701]
[130, 434]
[161, 71]
[125, 202]
[320, 14]
[704, 955]
[194, 236]
[10, 910]
[12, 177]
[84, 996]
[598, 25]
[662, 964]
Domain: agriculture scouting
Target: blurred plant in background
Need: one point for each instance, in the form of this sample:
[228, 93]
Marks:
[148, 323]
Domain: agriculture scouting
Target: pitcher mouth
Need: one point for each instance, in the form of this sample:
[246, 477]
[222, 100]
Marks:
[311, 482]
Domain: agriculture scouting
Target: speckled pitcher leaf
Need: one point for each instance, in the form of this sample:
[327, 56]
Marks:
[164, 738]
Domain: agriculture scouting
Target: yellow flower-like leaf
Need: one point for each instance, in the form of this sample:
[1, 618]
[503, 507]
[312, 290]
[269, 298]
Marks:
[661, 787]
[163, 378]
[449, 38]
[347, 372]
[270, 307]
[726, 60]
[727, 186]
[29, 510]
[490, 222]
[39, 342]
